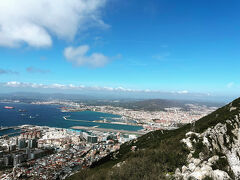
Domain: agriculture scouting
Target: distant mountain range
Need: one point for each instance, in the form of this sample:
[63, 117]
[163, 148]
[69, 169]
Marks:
[130, 103]
[160, 104]
[206, 149]
[99, 95]
[43, 96]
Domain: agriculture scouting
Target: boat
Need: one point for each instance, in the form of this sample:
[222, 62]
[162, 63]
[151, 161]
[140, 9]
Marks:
[22, 110]
[8, 107]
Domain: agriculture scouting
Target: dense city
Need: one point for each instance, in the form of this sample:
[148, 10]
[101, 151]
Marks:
[54, 153]
[167, 118]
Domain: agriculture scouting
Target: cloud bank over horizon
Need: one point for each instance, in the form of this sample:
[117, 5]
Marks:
[109, 92]
[18, 85]
[35, 23]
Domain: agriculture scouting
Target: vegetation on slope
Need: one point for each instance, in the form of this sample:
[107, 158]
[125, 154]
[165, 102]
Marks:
[158, 153]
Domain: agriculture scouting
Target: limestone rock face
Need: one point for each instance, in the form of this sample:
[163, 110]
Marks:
[220, 175]
[215, 153]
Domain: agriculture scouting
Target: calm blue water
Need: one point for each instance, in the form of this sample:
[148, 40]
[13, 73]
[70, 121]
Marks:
[50, 115]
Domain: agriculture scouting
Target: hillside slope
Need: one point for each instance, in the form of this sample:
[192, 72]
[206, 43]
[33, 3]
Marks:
[208, 149]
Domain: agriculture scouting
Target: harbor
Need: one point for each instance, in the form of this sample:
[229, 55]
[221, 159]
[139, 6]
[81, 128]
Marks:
[50, 115]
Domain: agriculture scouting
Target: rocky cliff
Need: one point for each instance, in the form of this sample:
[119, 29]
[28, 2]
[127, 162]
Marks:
[214, 153]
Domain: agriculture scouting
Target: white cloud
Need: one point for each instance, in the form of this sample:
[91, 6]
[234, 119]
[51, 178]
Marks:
[34, 21]
[183, 92]
[79, 57]
[95, 89]
[13, 84]
[17, 84]
[230, 85]
[78, 87]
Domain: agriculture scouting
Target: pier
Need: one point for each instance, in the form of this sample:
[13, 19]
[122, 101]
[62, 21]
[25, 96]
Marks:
[108, 130]
[8, 127]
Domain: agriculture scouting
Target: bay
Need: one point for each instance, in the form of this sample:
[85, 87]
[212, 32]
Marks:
[51, 115]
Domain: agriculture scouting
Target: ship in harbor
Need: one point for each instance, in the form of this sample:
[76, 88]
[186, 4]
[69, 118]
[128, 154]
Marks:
[22, 110]
[8, 107]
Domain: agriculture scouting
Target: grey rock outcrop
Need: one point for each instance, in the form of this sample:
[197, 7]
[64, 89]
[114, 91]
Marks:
[214, 153]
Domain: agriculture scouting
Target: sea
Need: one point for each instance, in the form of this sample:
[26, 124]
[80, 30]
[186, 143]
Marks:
[51, 115]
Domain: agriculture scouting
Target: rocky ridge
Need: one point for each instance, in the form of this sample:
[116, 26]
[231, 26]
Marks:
[214, 153]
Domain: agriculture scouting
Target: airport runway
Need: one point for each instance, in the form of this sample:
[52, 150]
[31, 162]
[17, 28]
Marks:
[108, 130]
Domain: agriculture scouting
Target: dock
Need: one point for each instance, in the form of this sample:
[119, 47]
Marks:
[8, 127]
[108, 130]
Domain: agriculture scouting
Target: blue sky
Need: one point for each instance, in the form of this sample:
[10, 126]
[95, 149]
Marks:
[188, 46]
